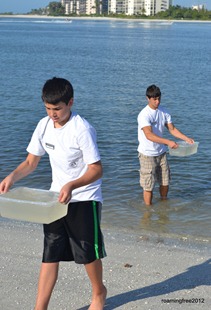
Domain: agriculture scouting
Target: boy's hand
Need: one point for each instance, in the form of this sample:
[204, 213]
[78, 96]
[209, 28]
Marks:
[6, 184]
[173, 145]
[65, 193]
[189, 140]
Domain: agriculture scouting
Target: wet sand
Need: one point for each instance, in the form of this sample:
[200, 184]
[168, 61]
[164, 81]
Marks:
[139, 273]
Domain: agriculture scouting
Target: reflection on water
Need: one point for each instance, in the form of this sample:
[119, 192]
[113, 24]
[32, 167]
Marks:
[174, 217]
[142, 24]
[150, 24]
[159, 218]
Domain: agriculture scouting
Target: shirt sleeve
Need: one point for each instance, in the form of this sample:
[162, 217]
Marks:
[144, 120]
[87, 141]
[35, 145]
[168, 117]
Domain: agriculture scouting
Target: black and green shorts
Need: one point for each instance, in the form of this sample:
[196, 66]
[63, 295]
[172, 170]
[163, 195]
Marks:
[75, 237]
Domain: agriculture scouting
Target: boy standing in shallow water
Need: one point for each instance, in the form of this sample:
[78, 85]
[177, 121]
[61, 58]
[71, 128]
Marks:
[152, 146]
[70, 142]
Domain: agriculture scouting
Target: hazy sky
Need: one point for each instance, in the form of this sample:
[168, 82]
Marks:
[24, 6]
[189, 3]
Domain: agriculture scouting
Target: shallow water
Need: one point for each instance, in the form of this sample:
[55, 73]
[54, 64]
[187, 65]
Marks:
[110, 64]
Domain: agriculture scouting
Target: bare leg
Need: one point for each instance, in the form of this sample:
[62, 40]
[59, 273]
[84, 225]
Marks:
[47, 280]
[95, 274]
[164, 191]
[147, 197]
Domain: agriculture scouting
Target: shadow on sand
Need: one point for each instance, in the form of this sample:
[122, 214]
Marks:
[194, 276]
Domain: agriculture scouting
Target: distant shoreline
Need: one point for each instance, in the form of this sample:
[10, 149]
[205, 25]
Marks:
[104, 18]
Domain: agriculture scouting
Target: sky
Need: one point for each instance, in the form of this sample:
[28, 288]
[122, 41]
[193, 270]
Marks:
[189, 3]
[25, 6]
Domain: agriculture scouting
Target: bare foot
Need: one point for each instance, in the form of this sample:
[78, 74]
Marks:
[98, 301]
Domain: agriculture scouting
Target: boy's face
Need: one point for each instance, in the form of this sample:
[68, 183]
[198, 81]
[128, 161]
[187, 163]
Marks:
[153, 102]
[59, 113]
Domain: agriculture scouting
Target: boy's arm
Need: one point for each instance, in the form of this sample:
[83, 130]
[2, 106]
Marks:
[25, 168]
[178, 134]
[93, 173]
[150, 135]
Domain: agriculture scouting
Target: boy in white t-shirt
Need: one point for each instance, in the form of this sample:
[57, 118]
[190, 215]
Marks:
[70, 142]
[152, 147]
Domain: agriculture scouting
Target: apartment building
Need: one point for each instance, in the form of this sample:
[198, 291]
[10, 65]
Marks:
[198, 7]
[78, 7]
[128, 7]
[134, 7]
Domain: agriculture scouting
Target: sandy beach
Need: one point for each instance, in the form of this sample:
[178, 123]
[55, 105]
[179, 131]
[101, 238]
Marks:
[103, 18]
[139, 273]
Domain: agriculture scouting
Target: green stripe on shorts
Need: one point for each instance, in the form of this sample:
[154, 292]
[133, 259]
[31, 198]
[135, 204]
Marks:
[94, 206]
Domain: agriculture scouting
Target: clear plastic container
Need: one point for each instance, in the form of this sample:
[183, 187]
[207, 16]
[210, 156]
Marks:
[32, 205]
[184, 149]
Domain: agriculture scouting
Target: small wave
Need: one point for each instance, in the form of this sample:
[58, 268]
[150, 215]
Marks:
[25, 21]
[53, 21]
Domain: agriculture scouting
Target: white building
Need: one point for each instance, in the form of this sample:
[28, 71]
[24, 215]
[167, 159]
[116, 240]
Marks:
[152, 7]
[130, 7]
[78, 7]
[198, 7]
[127, 7]
[112, 6]
[134, 7]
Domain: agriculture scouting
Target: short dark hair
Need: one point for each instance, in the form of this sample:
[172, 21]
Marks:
[153, 91]
[57, 90]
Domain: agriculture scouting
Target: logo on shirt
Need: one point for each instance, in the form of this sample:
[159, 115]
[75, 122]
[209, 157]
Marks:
[50, 146]
[73, 164]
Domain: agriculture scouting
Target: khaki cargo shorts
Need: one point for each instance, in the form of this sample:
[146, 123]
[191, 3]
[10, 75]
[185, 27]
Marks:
[153, 169]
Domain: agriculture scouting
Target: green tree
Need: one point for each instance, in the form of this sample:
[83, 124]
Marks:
[38, 11]
[178, 12]
[56, 8]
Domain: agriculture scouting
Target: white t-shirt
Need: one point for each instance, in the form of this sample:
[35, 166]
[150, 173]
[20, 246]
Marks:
[157, 120]
[70, 148]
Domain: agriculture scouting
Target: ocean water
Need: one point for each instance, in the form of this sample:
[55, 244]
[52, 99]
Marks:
[110, 64]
